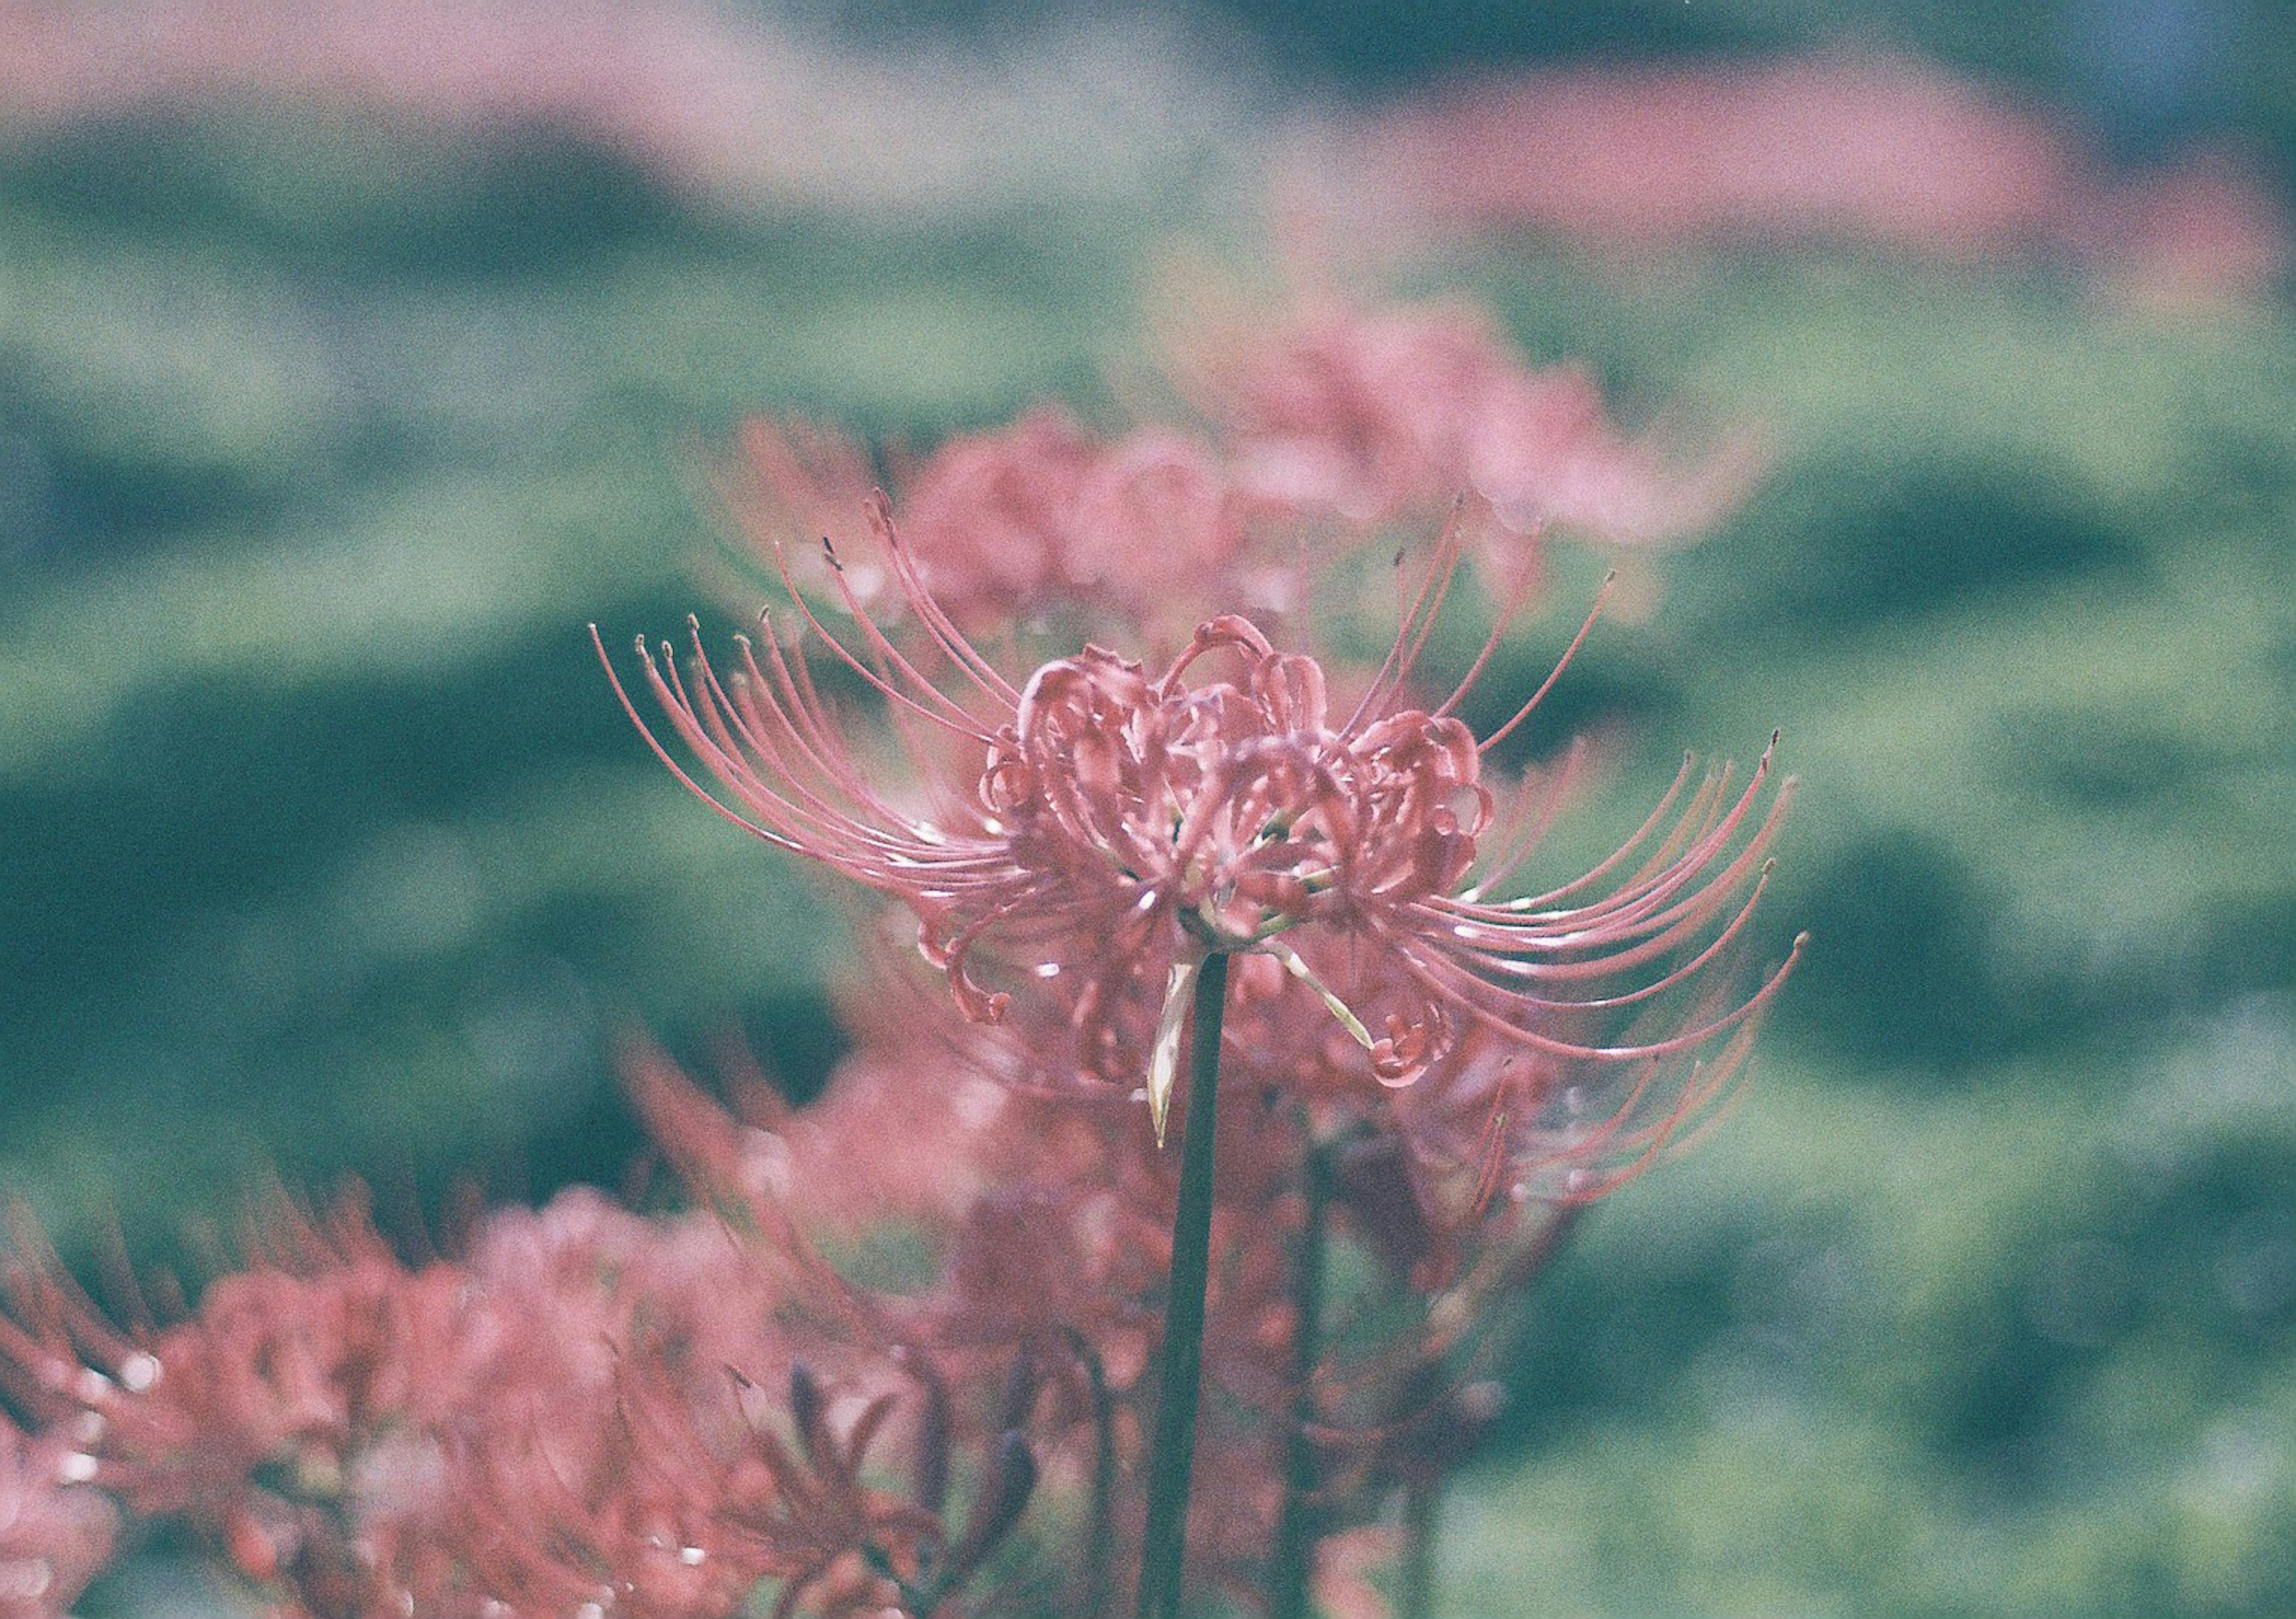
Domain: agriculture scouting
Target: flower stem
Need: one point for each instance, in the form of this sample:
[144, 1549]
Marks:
[1102, 1530]
[1294, 1560]
[1422, 1505]
[1171, 1459]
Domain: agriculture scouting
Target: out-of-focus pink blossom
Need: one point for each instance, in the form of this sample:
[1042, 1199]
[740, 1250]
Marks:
[1050, 1277]
[1344, 1564]
[355, 1434]
[280, 1392]
[1373, 414]
[726, 102]
[55, 1533]
[665, 80]
[2203, 233]
[1331, 421]
[1882, 149]
[1877, 149]
[1016, 524]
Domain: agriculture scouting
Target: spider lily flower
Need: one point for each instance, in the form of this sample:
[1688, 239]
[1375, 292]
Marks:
[1040, 518]
[1379, 413]
[1124, 825]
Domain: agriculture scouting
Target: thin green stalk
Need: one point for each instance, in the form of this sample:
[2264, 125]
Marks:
[1103, 1530]
[1171, 1457]
[1294, 1560]
[1423, 1495]
[1422, 1503]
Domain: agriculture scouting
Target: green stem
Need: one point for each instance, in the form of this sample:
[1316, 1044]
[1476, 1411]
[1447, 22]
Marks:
[1102, 1532]
[1422, 1502]
[1294, 1560]
[1171, 1458]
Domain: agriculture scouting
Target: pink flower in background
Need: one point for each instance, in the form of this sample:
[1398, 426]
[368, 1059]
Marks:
[1027, 521]
[1376, 415]
[667, 81]
[728, 104]
[55, 1532]
[750, 108]
[2201, 234]
[292, 1417]
[1882, 150]
[1331, 420]
[1368, 415]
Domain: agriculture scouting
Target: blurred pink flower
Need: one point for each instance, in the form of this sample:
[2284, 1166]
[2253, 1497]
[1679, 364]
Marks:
[665, 80]
[1016, 524]
[1376, 415]
[1883, 149]
[1051, 1269]
[55, 1533]
[1879, 149]
[739, 105]
[2203, 233]
[357, 1434]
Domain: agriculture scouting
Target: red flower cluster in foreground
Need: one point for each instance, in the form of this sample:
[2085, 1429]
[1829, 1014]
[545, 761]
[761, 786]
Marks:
[965, 1337]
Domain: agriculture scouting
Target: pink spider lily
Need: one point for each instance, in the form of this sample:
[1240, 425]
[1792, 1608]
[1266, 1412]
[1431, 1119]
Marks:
[1378, 414]
[1124, 826]
[1034, 519]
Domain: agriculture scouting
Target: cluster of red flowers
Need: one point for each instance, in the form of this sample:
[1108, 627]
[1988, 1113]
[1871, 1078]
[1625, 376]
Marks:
[917, 1347]
[1318, 429]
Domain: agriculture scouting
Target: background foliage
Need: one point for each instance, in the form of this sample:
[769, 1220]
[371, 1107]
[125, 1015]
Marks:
[325, 850]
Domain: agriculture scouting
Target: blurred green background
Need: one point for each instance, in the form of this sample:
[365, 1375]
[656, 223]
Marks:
[323, 435]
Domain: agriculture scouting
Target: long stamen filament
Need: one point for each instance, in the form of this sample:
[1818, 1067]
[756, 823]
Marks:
[1338, 1008]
